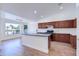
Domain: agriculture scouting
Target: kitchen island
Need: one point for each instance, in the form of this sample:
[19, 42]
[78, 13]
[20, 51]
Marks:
[37, 41]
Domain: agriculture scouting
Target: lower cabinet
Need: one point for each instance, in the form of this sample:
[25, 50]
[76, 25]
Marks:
[67, 38]
[73, 41]
[61, 37]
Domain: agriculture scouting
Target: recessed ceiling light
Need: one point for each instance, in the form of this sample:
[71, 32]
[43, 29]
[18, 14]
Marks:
[35, 11]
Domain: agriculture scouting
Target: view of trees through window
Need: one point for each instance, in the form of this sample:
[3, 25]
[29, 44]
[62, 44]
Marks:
[12, 28]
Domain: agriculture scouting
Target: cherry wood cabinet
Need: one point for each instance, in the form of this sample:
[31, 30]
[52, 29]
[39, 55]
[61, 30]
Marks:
[64, 24]
[73, 41]
[61, 37]
[59, 24]
[75, 23]
[67, 38]
[42, 25]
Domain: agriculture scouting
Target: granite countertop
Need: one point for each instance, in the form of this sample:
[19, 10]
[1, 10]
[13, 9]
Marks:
[38, 34]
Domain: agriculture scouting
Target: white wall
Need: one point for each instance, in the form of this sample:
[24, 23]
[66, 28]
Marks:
[77, 13]
[0, 28]
[63, 15]
[9, 18]
[0, 22]
[32, 26]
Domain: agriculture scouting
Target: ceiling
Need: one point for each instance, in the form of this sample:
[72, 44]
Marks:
[43, 10]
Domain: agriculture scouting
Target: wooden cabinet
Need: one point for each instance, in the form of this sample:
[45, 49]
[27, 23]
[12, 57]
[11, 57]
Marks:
[65, 24]
[42, 25]
[61, 37]
[67, 38]
[59, 24]
[74, 23]
[73, 41]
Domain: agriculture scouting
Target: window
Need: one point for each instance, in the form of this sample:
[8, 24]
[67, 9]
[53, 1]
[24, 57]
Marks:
[12, 28]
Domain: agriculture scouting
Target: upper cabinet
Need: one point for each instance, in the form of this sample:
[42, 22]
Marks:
[65, 24]
[42, 25]
[59, 24]
[75, 23]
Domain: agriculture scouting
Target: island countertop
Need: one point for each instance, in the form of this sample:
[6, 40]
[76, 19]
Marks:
[38, 34]
[39, 41]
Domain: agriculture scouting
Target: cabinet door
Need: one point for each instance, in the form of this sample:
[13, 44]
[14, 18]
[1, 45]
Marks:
[73, 41]
[61, 37]
[63, 24]
[39, 25]
[74, 23]
[51, 23]
[59, 24]
[56, 25]
[42, 25]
